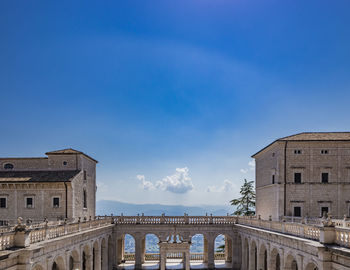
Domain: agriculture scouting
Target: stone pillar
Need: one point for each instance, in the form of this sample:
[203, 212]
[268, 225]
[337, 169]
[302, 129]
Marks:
[187, 260]
[236, 252]
[205, 249]
[104, 257]
[138, 252]
[120, 250]
[211, 263]
[97, 259]
[143, 249]
[162, 259]
[228, 249]
[245, 255]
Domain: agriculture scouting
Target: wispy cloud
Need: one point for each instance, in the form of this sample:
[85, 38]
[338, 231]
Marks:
[179, 182]
[251, 167]
[226, 186]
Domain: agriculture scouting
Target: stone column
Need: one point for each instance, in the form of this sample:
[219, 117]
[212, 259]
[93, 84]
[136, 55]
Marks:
[97, 259]
[205, 249]
[138, 252]
[120, 250]
[236, 251]
[187, 260]
[245, 255]
[143, 249]
[162, 259]
[104, 257]
[228, 249]
[211, 263]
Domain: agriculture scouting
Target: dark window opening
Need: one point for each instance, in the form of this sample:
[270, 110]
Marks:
[2, 202]
[84, 175]
[84, 199]
[297, 178]
[297, 211]
[324, 152]
[324, 211]
[56, 202]
[297, 152]
[65, 163]
[8, 166]
[29, 202]
[273, 179]
[324, 177]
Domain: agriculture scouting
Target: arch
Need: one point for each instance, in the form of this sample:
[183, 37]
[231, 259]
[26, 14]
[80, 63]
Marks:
[74, 260]
[253, 256]
[291, 263]
[110, 252]
[37, 267]
[129, 247]
[86, 258]
[151, 248]
[275, 260]
[246, 257]
[263, 257]
[96, 255]
[311, 266]
[199, 244]
[104, 254]
[58, 264]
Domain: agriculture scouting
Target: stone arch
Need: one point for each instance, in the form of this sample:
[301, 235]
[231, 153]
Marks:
[291, 263]
[201, 242]
[104, 254]
[86, 260]
[253, 255]
[148, 240]
[110, 246]
[263, 257]
[311, 266]
[245, 253]
[96, 255]
[73, 260]
[37, 266]
[275, 260]
[58, 264]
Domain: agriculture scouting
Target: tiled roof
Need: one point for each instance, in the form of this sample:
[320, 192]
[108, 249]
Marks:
[69, 151]
[312, 136]
[318, 136]
[37, 176]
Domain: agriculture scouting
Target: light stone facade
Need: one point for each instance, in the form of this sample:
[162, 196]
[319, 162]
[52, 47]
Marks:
[289, 176]
[54, 186]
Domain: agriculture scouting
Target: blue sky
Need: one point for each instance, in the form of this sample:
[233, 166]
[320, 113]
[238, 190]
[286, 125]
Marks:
[172, 97]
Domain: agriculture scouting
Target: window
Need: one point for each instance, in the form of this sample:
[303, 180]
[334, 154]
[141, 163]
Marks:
[297, 211]
[84, 175]
[3, 203]
[273, 179]
[65, 163]
[84, 199]
[324, 151]
[56, 202]
[324, 211]
[297, 177]
[324, 178]
[29, 202]
[8, 166]
[297, 151]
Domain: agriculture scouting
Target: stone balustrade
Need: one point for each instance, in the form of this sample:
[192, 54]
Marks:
[197, 256]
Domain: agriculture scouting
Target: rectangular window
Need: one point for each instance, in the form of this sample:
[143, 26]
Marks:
[324, 211]
[84, 175]
[324, 151]
[29, 202]
[297, 178]
[324, 178]
[297, 151]
[2, 202]
[297, 211]
[56, 202]
[273, 179]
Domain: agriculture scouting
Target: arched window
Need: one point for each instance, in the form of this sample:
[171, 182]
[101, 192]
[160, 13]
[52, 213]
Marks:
[278, 262]
[54, 266]
[84, 198]
[8, 166]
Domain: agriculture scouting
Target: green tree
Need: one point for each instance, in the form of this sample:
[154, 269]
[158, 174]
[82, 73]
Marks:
[246, 203]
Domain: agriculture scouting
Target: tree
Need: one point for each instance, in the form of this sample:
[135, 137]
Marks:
[246, 203]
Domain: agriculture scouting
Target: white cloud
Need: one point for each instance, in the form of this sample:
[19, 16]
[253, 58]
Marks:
[252, 164]
[243, 170]
[227, 186]
[146, 185]
[179, 182]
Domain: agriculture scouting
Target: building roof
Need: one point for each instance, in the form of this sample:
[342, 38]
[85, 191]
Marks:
[37, 176]
[69, 151]
[312, 136]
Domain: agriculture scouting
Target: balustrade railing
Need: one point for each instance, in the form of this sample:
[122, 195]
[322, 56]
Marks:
[129, 257]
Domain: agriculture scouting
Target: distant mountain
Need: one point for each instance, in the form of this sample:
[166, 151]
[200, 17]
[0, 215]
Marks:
[107, 207]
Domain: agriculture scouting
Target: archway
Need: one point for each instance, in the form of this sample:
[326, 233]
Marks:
[151, 248]
[104, 255]
[74, 260]
[86, 258]
[262, 257]
[245, 253]
[219, 249]
[37, 267]
[253, 256]
[199, 249]
[311, 266]
[275, 260]
[110, 252]
[129, 249]
[96, 256]
[58, 264]
[291, 263]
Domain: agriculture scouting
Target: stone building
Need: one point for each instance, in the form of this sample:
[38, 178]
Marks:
[59, 186]
[304, 175]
